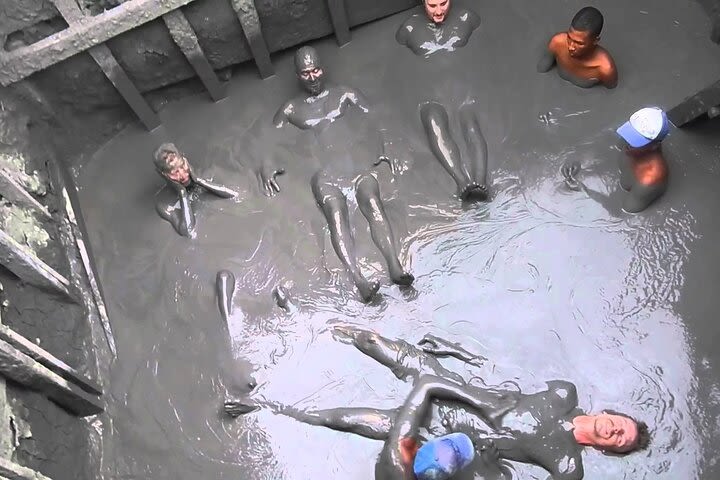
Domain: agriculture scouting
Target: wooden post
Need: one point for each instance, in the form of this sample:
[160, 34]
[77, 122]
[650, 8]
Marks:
[48, 360]
[23, 370]
[250, 22]
[184, 37]
[695, 105]
[111, 68]
[80, 36]
[338, 14]
[28, 267]
[14, 192]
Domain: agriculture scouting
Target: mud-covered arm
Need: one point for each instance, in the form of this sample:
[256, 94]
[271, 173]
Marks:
[440, 347]
[473, 19]
[641, 196]
[186, 227]
[357, 98]
[215, 188]
[547, 59]
[281, 116]
[403, 33]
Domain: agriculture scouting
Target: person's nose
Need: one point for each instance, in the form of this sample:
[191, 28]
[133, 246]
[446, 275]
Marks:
[314, 76]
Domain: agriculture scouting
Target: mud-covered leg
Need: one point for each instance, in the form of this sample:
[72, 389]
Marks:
[334, 206]
[477, 148]
[371, 206]
[366, 422]
[434, 118]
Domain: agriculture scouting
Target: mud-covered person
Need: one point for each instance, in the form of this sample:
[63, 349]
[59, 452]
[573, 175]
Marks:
[442, 27]
[578, 56]
[182, 181]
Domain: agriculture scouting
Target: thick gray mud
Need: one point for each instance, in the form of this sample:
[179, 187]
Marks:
[543, 281]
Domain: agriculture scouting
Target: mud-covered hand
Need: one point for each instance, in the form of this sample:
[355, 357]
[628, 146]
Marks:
[442, 348]
[234, 407]
[570, 171]
[268, 178]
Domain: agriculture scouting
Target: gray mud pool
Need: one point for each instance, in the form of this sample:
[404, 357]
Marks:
[543, 281]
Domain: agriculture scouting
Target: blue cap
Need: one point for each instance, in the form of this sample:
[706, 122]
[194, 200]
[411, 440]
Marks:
[644, 127]
[443, 457]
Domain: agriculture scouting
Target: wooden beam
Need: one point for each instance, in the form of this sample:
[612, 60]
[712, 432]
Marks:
[111, 68]
[28, 267]
[48, 360]
[81, 36]
[339, 18]
[184, 37]
[250, 22]
[695, 105]
[15, 193]
[23, 370]
[13, 471]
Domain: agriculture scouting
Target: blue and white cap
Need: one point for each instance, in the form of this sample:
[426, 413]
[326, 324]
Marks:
[645, 126]
[443, 457]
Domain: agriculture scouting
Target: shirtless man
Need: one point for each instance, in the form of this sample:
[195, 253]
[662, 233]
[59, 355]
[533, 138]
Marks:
[179, 176]
[579, 58]
[545, 428]
[644, 172]
[321, 104]
[316, 109]
[440, 28]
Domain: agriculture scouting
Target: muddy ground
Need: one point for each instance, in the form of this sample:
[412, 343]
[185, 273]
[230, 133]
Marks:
[545, 282]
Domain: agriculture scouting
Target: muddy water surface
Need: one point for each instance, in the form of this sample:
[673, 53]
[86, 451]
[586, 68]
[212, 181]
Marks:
[545, 282]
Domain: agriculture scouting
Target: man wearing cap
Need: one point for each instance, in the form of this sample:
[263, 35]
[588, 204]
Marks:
[179, 176]
[643, 171]
[578, 56]
[441, 28]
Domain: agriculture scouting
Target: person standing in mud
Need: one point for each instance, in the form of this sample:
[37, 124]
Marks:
[181, 180]
[319, 107]
[644, 172]
[442, 27]
[578, 56]
[545, 428]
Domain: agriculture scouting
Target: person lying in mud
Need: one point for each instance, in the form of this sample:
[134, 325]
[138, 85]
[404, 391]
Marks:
[545, 428]
[644, 172]
[179, 176]
[321, 103]
[321, 107]
[470, 174]
[441, 28]
[579, 58]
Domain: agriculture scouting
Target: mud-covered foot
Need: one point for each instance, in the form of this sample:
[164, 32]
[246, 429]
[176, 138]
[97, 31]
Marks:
[569, 171]
[367, 289]
[401, 277]
[234, 407]
[474, 192]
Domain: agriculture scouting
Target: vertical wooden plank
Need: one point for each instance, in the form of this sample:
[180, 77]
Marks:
[250, 22]
[184, 37]
[339, 18]
[111, 68]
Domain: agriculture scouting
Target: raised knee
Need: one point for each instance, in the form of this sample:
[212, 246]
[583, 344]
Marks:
[433, 113]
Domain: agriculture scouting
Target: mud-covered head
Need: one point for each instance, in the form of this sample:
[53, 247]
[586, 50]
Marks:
[612, 432]
[584, 33]
[437, 10]
[309, 70]
[171, 164]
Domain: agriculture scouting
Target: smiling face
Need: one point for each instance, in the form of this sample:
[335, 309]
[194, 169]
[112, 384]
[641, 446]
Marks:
[614, 433]
[437, 10]
[580, 43]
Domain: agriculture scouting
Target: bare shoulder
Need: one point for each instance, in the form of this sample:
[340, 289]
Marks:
[558, 41]
[604, 59]
[470, 16]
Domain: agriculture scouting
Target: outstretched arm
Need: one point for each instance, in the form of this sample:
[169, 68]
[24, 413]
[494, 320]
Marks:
[214, 188]
[357, 98]
[440, 347]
